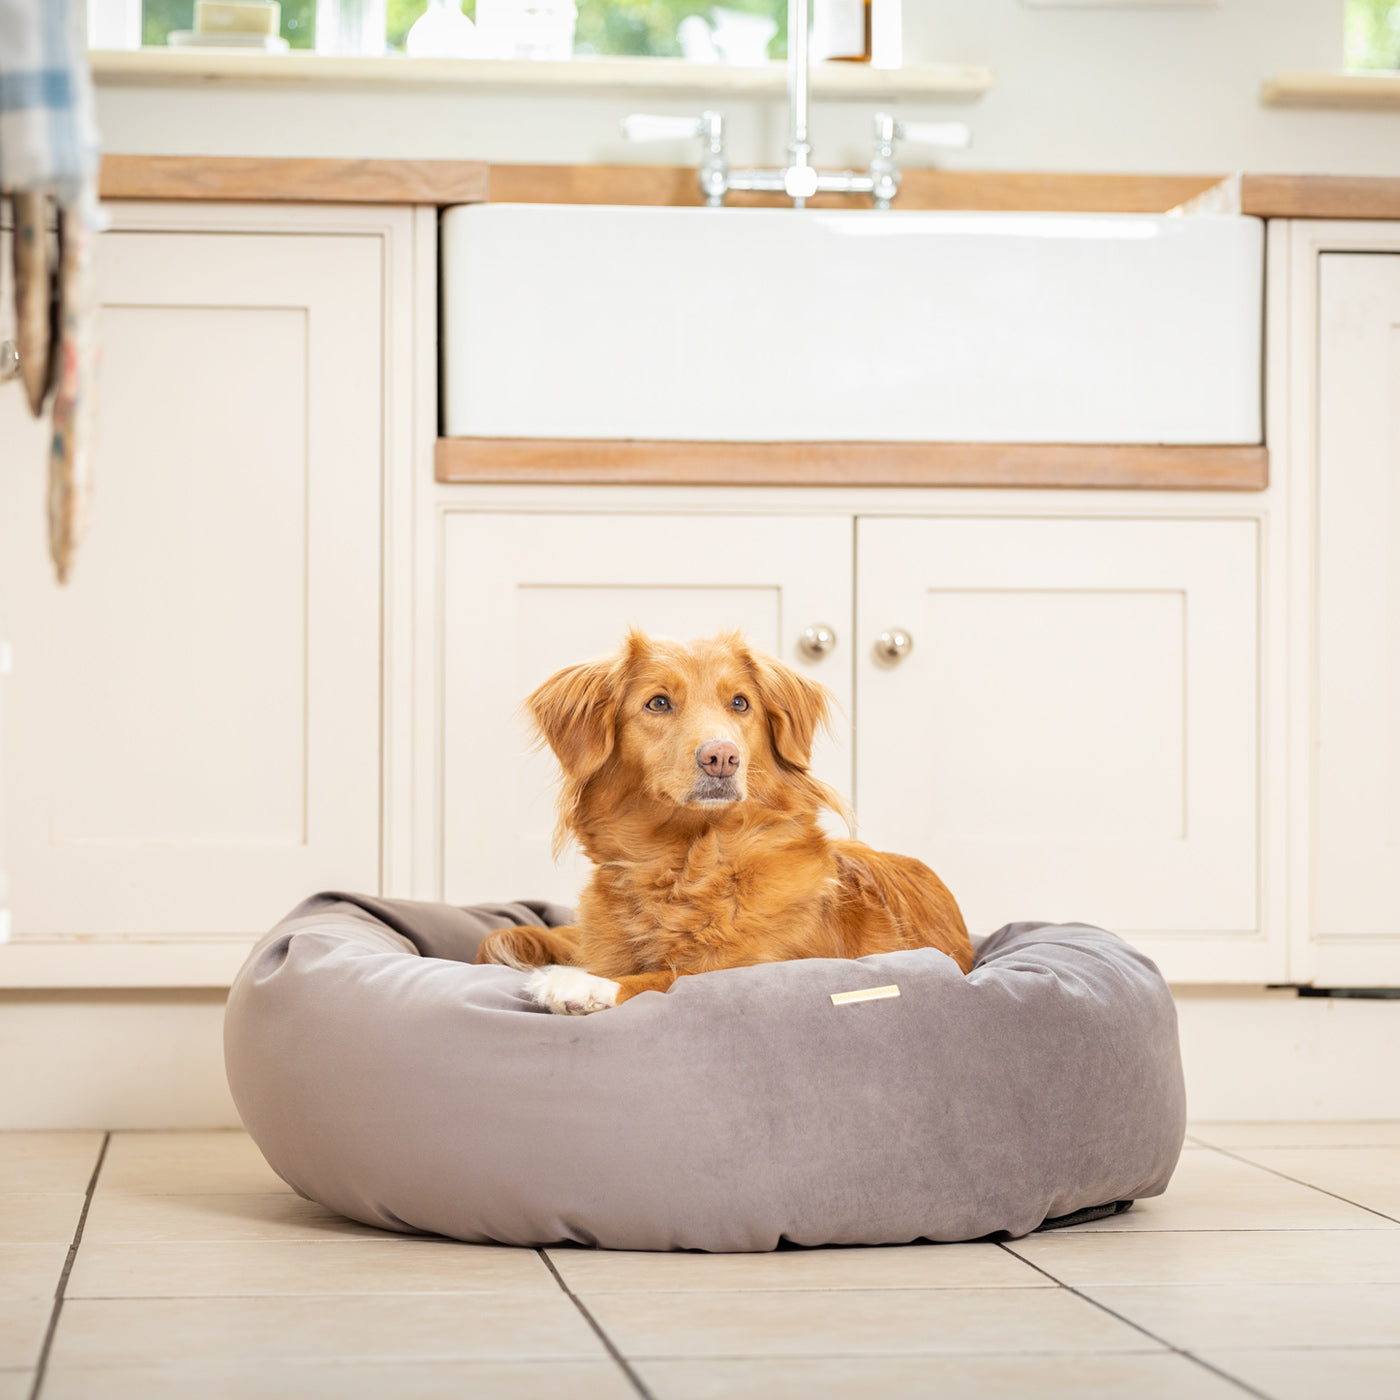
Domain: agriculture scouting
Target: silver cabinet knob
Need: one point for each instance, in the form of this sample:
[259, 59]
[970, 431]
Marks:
[817, 640]
[9, 360]
[893, 645]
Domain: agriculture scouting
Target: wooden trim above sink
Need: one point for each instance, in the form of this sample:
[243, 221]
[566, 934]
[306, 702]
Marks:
[578, 461]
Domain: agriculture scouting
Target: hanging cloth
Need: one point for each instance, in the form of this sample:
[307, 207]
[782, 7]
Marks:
[48, 171]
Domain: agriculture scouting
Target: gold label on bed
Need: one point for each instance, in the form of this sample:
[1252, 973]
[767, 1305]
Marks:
[864, 994]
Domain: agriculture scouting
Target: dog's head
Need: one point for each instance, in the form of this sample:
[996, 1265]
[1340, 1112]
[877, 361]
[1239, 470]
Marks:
[703, 727]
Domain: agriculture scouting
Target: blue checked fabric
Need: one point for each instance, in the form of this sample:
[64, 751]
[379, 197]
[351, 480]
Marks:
[48, 132]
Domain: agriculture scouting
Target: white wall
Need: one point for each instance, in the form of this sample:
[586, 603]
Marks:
[1173, 89]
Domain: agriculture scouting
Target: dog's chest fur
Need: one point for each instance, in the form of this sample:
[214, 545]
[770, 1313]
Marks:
[691, 909]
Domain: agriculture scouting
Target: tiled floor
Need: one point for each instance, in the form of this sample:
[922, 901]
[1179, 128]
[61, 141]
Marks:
[1270, 1268]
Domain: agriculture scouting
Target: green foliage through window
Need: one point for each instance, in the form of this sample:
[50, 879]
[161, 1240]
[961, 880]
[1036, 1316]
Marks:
[649, 26]
[159, 17]
[1373, 34]
[645, 27]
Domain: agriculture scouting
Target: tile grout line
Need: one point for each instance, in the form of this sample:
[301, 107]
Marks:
[1298, 1181]
[637, 1383]
[43, 1364]
[1137, 1326]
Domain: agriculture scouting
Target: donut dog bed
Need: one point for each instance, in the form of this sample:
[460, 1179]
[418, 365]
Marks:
[387, 1077]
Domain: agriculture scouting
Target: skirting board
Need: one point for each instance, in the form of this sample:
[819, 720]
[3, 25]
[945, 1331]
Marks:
[155, 1059]
[103, 963]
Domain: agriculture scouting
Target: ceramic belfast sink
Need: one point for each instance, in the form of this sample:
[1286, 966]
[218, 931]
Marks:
[773, 324]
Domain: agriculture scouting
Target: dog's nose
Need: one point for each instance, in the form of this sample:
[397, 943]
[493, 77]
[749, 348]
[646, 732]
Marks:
[718, 758]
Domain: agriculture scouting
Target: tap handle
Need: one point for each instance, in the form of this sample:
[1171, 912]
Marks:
[951, 136]
[640, 127]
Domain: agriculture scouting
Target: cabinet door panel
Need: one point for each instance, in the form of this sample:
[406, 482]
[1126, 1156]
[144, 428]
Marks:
[1074, 733]
[194, 736]
[525, 595]
[1357, 734]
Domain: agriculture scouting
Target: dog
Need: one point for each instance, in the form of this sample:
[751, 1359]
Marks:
[686, 781]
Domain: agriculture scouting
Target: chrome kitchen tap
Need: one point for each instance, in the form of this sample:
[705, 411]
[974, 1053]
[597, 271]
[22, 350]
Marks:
[798, 179]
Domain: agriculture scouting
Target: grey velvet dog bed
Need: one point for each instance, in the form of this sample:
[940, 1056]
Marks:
[387, 1077]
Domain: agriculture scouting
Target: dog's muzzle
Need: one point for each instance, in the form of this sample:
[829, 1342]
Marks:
[708, 789]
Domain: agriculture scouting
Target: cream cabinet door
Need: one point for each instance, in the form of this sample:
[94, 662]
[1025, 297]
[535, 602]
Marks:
[1074, 733]
[1356, 737]
[192, 737]
[525, 595]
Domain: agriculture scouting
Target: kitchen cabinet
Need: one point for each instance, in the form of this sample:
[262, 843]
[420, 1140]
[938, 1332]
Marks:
[1356, 599]
[193, 737]
[527, 594]
[1074, 733]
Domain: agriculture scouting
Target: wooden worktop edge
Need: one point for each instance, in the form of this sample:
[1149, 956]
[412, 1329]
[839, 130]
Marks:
[444, 182]
[1034, 465]
[313, 180]
[1321, 196]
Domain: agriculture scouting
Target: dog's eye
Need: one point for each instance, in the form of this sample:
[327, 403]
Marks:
[658, 704]
[740, 703]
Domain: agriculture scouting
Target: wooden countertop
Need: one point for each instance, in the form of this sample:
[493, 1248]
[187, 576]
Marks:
[308, 180]
[444, 182]
[593, 462]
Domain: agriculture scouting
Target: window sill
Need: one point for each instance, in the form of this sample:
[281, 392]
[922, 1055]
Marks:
[1347, 90]
[835, 80]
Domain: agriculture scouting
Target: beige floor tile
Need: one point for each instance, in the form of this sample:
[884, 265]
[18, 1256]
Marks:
[184, 1331]
[1214, 1317]
[898, 1266]
[1363, 1373]
[120, 1219]
[228, 1269]
[1376, 1134]
[16, 1385]
[855, 1322]
[1159, 1376]
[465, 1380]
[1217, 1256]
[48, 1161]
[1366, 1176]
[1211, 1191]
[39, 1219]
[200, 1164]
[30, 1270]
[23, 1323]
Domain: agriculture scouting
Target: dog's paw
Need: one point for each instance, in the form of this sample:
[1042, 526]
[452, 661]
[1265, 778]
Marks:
[570, 991]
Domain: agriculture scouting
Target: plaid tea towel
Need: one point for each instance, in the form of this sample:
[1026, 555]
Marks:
[48, 131]
[49, 154]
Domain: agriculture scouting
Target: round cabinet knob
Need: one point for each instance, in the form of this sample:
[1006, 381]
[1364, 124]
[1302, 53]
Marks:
[9, 360]
[817, 640]
[893, 645]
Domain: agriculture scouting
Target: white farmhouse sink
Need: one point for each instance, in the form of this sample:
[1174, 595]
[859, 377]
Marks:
[772, 324]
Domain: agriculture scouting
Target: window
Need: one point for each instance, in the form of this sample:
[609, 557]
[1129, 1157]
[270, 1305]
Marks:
[1373, 34]
[645, 27]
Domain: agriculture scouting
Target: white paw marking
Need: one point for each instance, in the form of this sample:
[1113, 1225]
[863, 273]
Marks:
[570, 991]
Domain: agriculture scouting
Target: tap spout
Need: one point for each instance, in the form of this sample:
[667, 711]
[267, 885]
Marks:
[799, 80]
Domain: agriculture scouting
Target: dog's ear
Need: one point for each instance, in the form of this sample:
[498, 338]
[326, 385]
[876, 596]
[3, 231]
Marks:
[575, 712]
[795, 707]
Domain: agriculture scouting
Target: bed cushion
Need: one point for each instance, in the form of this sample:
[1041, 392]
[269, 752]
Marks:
[386, 1076]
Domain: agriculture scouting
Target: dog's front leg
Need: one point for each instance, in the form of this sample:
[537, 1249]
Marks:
[639, 982]
[570, 991]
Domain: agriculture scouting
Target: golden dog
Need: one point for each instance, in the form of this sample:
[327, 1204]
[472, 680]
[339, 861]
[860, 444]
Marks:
[686, 782]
